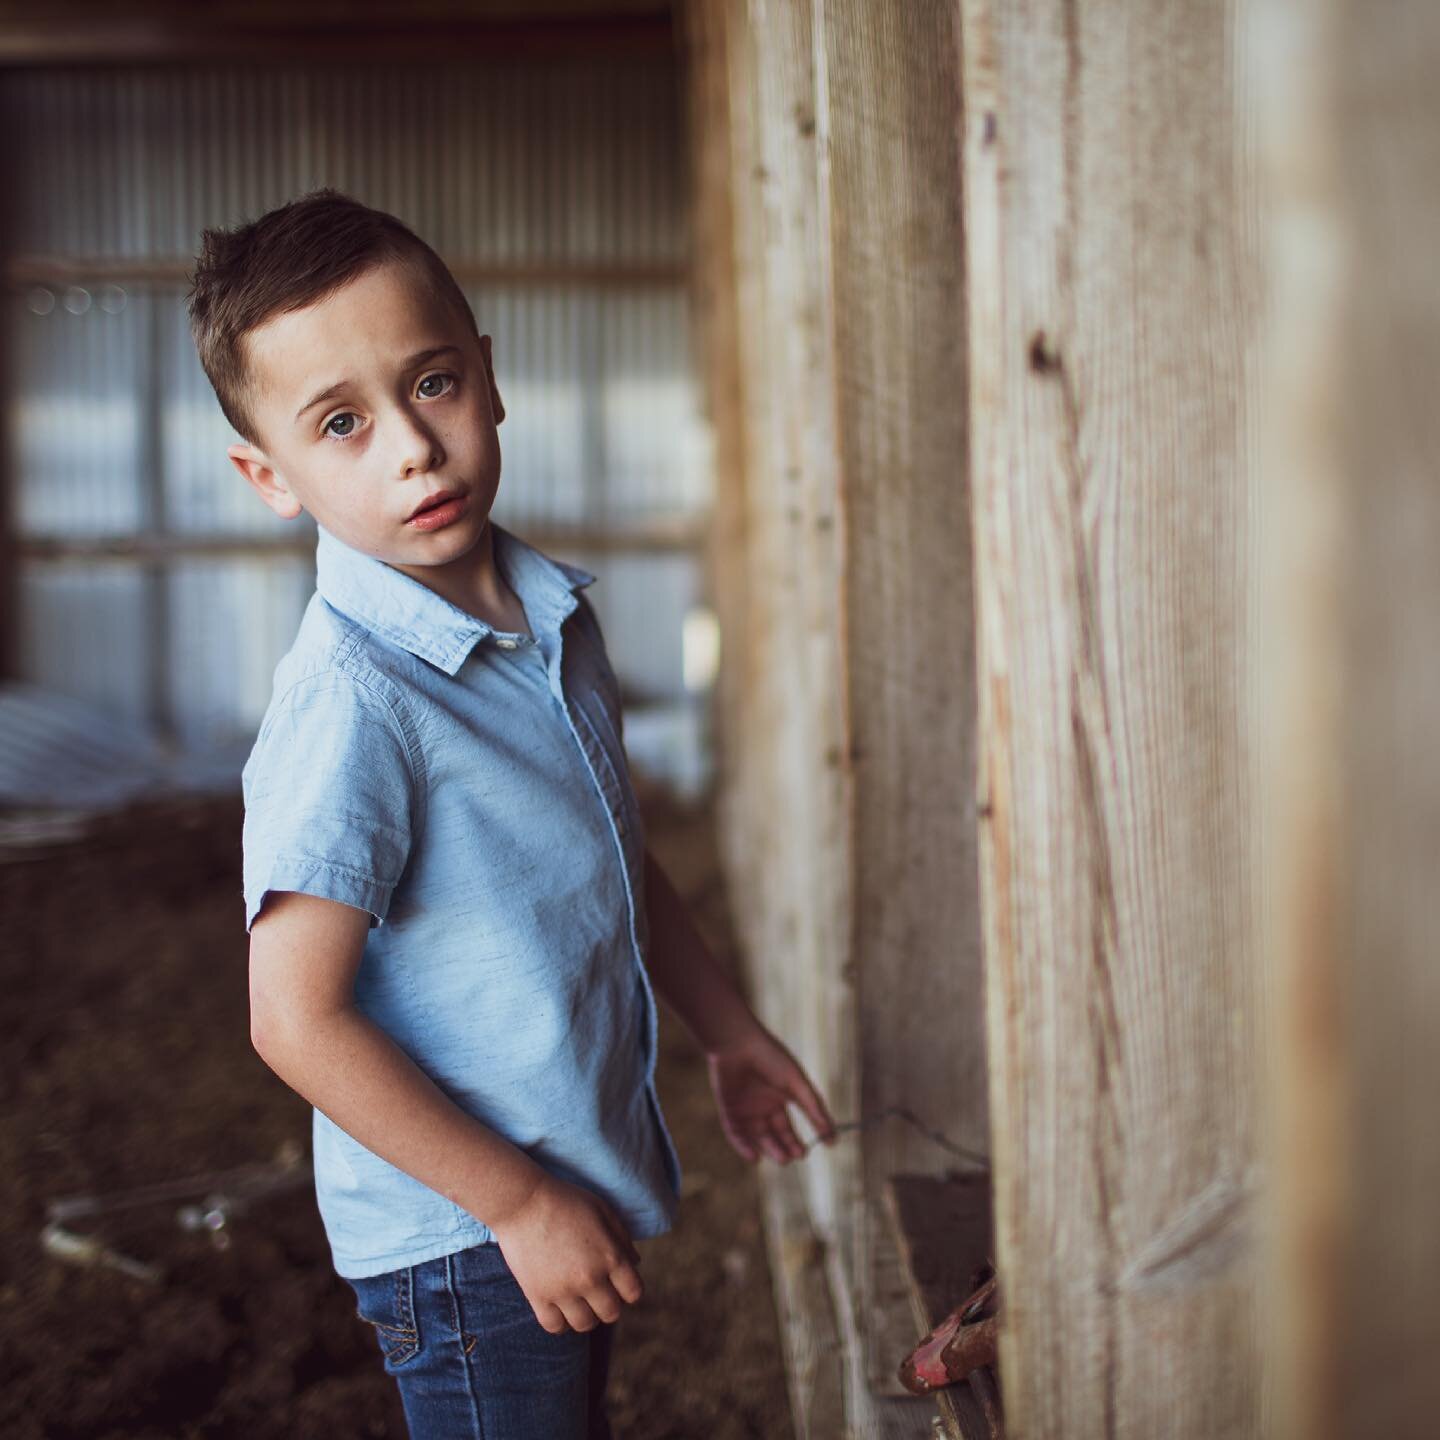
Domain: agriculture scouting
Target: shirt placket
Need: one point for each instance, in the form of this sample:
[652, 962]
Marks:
[626, 842]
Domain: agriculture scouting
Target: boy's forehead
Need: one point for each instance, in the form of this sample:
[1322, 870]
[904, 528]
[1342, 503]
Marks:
[374, 321]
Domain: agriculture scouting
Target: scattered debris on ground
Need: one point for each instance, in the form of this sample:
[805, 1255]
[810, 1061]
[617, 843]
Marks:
[128, 1069]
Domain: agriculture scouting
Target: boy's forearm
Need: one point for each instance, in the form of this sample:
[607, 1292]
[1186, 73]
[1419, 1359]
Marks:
[349, 1068]
[685, 973]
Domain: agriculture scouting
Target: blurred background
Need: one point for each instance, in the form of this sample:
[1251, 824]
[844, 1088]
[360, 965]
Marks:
[146, 595]
[145, 579]
[1005, 439]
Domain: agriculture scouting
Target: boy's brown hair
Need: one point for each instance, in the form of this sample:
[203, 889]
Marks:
[291, 257]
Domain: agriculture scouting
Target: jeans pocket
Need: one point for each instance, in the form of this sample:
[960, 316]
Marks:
[387, 1303]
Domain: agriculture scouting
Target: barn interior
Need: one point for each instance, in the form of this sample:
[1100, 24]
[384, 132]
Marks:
[149, 595]
[1002, 434]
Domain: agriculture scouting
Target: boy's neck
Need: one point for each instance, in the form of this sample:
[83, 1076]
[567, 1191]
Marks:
[473, 583]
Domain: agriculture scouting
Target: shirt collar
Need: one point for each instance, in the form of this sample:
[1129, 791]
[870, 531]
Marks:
[400, 608]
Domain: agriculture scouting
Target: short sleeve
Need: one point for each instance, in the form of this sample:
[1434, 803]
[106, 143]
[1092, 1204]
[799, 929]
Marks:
[330, 797]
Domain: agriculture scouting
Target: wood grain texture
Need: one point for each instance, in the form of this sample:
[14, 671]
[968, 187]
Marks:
[814, 1358]
[847, 803]
[889, 187]
[786, 798]
[1350, 131]
[944, 1232]
[1111, 281]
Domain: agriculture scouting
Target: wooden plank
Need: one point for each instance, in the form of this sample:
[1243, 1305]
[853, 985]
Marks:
[814, 1363]
[889, 129]
[944, 1232]
[832, 313]
[706, 43]
[1349, 125]
[870, 1416]
[785, 772]
[1110, 221]
[803, 801]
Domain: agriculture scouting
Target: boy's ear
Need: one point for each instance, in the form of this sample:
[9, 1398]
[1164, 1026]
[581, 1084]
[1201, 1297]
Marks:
[255, 466]
[497, 405]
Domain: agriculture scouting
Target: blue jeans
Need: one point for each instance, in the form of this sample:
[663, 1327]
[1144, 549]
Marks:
[472, 1361]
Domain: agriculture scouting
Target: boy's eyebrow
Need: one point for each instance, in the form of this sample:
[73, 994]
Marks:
[419, 358]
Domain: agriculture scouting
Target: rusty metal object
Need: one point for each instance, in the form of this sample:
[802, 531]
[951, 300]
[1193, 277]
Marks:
[963, 1341]
[986, 1389]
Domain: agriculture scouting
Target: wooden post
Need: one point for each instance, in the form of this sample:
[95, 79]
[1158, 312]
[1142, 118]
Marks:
[848, 759]
[1350, 131]
[1112, 285]
[890, 204]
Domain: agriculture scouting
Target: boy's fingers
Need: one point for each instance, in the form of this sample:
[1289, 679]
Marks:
[579, 1314]
[627, 1283]
[785, 1133]
[771, 1146]
[605, 1301]
[551, 1318]
[808, 1098]
[745, 1149]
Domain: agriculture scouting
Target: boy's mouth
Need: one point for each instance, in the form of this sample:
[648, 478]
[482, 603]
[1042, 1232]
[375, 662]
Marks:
[441, 509]
[440, 497]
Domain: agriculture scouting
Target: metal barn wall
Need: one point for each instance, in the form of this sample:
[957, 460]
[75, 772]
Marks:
[152, 581]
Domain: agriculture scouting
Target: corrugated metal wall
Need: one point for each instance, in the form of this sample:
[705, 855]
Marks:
[153, 581]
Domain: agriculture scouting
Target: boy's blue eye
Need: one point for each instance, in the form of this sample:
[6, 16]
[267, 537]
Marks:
[348, 415]
[438, 375]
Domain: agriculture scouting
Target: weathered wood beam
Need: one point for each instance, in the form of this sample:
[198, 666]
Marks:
[1113, 313]
[848, 747]
[1349, 130]
[944, 1232]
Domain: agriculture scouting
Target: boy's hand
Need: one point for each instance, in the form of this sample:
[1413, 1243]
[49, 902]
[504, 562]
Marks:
[754, 1078]
[572, 1255]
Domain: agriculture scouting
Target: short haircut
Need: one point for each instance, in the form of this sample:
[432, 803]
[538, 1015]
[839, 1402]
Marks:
[291, 257]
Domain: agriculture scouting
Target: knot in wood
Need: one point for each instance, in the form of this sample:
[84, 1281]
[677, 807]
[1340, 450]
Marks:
[1044, 355]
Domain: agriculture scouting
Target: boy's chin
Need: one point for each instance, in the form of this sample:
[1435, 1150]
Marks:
[439, 547]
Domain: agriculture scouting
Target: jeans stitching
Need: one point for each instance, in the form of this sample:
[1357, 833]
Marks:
[405, 1309]
[404, 1298]
[452, 1291]
[402, 1340]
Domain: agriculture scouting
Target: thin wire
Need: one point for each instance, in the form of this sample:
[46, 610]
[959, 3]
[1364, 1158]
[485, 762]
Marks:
[936, 1137]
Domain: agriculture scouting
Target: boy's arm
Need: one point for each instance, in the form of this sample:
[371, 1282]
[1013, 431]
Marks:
[685, 972]
[567, 1246]
[752, 1074]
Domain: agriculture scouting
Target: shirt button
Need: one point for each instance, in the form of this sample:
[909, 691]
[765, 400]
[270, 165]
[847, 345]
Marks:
[506, 644]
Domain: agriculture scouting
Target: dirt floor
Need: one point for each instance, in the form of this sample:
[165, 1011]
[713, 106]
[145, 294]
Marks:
[127, 1062]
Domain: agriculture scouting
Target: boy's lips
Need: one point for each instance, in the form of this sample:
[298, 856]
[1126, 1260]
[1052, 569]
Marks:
[438, 498]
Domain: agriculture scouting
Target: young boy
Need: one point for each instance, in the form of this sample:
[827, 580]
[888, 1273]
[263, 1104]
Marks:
[453, 917]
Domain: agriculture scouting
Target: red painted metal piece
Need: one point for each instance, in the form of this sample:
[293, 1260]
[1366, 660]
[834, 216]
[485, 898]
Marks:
[964, 1340]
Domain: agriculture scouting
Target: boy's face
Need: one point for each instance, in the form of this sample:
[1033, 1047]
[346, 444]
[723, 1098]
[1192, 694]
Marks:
[371, 402]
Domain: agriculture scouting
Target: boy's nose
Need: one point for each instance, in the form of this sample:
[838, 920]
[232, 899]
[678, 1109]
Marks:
[419, 449]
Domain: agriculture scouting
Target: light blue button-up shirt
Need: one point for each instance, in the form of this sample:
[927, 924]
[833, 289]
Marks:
[468, 787]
